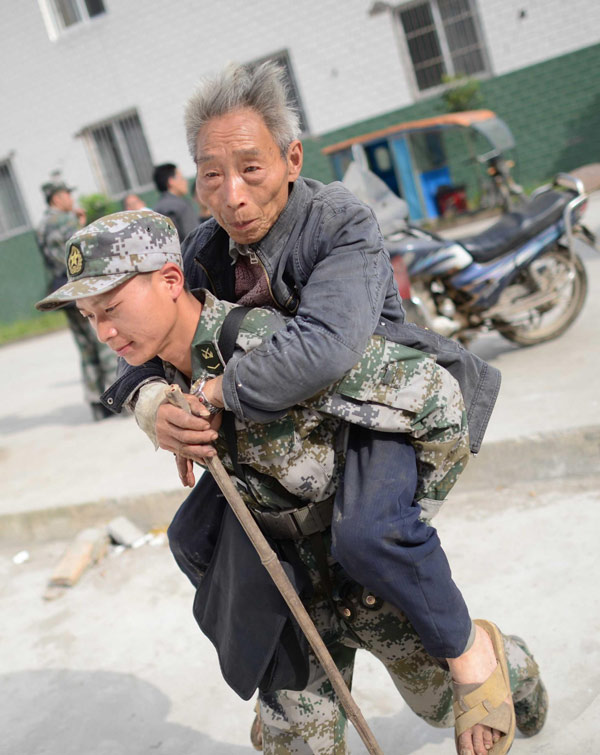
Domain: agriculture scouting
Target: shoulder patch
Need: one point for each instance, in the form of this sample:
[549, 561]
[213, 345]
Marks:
[209, 358]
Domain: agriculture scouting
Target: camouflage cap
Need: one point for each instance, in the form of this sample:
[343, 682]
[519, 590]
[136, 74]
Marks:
[53, 187]
[112, 250]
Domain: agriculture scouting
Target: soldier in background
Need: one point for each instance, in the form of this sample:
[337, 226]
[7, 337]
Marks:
[61, 220]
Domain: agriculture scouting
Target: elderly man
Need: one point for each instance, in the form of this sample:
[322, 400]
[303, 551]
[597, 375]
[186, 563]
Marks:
[315, 252]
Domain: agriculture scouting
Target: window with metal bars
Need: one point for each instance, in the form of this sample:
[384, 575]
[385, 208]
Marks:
[13, 217]
[60, 15]
[283, 59]
[443, 38]
[119, 154]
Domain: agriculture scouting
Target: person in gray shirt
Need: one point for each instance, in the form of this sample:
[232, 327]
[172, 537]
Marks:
[174, 202]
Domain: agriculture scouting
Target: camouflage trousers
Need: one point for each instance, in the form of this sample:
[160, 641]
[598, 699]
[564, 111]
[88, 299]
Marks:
[313, 721]
[98, 361]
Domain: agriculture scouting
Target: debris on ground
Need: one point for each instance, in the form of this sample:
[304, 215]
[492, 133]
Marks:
[86, 549]
[90, 546]
[124, 532]
[159, 539]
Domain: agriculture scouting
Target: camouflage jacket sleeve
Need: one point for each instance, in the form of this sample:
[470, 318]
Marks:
[397, 389]
[292, 459]
[393, 389]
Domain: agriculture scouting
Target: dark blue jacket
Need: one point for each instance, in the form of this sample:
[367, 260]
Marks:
[326, 265]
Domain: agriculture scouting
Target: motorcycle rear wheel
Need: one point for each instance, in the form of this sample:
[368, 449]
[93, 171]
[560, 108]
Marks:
[566, 275]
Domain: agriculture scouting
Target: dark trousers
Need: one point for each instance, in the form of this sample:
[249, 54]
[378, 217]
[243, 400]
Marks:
[379, 540]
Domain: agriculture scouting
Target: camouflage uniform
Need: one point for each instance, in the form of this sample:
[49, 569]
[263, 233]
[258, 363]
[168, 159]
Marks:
[313, 721]
[393, 388]
[396, 389]
[98, 361]
[417, 399]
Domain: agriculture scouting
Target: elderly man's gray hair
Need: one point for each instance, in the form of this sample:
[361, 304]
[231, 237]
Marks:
[263, 89]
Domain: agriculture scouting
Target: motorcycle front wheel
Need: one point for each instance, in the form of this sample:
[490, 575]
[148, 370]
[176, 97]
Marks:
[563, 278]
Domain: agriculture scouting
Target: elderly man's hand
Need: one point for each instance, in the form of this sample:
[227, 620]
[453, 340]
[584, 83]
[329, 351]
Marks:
[213, 390]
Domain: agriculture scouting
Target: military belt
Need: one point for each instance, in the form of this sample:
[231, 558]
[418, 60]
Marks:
[295, 524]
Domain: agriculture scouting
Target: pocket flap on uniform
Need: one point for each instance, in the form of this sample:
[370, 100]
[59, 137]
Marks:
[390, 374]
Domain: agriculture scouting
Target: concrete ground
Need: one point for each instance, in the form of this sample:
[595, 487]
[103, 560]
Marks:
[117, 665]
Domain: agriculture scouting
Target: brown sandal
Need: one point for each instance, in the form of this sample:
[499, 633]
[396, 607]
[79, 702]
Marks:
[486, 703]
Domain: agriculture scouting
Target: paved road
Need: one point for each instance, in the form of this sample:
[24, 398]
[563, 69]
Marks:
[117, 666]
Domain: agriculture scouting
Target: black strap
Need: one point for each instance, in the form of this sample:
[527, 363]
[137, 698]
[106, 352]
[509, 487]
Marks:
[229, 331]
[226, 343]
[317, 544]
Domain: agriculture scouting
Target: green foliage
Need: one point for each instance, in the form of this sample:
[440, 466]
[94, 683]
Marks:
[463, 93]
[33, 326]
[97, 205]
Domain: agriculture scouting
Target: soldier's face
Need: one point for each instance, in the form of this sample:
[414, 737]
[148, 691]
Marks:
[242, 177]
[136, 320]
[63, 200]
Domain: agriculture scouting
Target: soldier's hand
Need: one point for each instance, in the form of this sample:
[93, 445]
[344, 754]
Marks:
[187, 435]
[185, 470]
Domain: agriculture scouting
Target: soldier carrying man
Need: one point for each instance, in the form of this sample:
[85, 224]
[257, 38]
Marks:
[132, 291]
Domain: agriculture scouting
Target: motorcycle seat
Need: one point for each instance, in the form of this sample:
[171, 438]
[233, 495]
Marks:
[517, 227]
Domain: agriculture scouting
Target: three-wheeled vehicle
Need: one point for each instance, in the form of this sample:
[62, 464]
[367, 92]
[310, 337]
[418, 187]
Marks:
[434, 163]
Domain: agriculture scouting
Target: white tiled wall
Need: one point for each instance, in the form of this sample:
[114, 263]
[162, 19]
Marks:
[520, 33]
[149, 54]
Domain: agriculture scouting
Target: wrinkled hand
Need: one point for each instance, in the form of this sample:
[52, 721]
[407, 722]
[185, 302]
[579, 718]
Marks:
[213, 390]
[188, 436]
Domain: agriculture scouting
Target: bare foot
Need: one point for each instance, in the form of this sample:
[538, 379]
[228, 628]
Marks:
[474, 667]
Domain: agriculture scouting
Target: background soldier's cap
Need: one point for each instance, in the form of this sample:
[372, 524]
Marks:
[53, 187]
[112, 250]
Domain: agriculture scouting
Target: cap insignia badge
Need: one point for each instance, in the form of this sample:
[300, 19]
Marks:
[75, 261]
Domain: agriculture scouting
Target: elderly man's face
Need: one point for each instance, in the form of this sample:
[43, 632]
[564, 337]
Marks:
[242, 176]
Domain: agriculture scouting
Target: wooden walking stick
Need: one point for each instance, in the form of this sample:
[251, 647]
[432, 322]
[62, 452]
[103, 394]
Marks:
[269, 560]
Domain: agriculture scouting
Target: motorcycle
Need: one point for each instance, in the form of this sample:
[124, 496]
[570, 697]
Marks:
[501, 188]
[521, 277]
